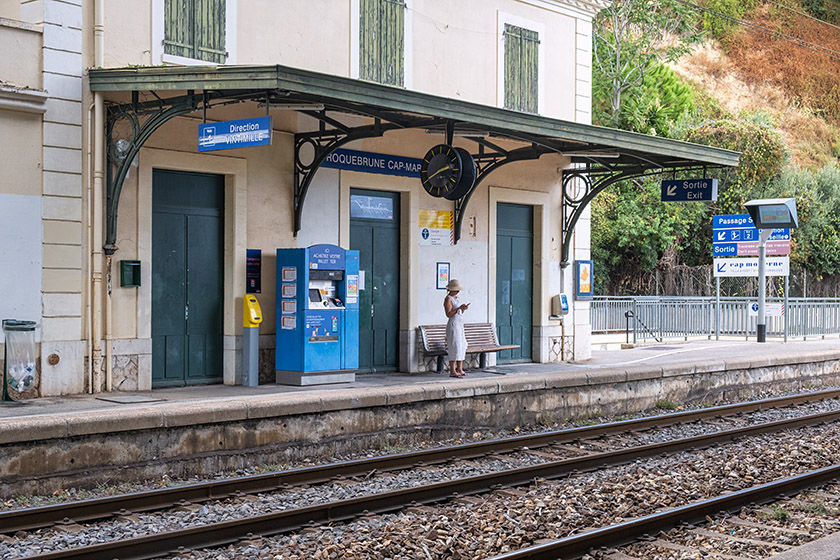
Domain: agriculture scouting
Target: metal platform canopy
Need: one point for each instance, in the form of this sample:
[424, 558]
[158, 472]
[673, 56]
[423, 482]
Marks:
[346, 109]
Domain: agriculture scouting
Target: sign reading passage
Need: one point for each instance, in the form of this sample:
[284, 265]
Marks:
[734, 235]
[689, 190]
[226, 135]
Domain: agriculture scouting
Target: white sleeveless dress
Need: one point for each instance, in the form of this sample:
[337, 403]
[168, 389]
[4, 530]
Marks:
[456, 340]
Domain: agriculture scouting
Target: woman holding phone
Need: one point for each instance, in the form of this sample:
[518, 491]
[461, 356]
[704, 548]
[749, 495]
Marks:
[456, 340]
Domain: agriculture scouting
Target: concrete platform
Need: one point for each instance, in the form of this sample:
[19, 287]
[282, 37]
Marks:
[827, 548]
[59, 442]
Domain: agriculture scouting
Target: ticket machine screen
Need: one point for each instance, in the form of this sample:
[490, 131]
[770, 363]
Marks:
[323, 294]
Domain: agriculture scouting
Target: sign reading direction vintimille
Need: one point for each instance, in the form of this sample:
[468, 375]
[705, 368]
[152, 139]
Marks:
[225, 135]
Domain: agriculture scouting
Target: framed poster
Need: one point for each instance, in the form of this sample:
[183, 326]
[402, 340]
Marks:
[583, 279]
[442, 275]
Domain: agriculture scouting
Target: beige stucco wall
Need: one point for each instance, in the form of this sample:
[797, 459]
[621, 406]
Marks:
[20, 142]
[452, 50]
[23, 67]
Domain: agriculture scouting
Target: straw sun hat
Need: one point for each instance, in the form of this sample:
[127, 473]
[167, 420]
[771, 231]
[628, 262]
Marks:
[454, 286]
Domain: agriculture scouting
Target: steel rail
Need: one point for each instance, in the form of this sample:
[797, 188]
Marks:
[12, 521]
[224, 533]
[571, 548]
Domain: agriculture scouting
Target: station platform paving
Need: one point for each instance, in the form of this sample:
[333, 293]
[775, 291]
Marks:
[607, 360]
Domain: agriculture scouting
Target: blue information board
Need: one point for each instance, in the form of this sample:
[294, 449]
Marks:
[226, 135]
[734, 235]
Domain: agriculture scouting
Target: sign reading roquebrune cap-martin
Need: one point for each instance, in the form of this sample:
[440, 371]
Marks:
[243, 133]
[689, 190]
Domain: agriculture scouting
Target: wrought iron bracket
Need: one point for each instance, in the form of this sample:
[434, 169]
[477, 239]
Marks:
[582, 184]
[120, 152]
[486, 163]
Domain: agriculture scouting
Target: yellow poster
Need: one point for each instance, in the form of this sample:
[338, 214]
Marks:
[436, 227]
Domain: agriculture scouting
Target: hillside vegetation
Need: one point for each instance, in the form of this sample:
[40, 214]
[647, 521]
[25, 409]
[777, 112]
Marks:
[760, 77]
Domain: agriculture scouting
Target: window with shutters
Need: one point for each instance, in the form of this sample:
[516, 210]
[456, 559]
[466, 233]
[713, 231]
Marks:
[195, 29]
[382, 41]
[521, 69]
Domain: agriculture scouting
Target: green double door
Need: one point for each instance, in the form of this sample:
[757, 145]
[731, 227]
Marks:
[187, 284]
[375, 233]
[514, 280]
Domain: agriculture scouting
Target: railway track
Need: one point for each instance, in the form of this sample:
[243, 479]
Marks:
[282, 522]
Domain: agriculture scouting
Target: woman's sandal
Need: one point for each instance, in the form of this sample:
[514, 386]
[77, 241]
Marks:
[457, 375]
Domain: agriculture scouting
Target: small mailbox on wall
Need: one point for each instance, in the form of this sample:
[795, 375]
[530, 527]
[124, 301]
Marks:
[129, 274]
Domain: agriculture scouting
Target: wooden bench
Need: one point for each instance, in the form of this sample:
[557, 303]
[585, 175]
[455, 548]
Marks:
[481, 339]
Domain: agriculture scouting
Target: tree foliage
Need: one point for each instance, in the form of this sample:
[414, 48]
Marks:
[633, 37]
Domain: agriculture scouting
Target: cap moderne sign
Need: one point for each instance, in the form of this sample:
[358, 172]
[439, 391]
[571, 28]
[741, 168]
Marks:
[689, 190]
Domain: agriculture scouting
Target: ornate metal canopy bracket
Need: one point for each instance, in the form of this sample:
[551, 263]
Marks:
[582, 184]
[487, 162]
[122, 151]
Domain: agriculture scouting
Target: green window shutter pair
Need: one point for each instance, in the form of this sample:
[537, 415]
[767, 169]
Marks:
[521, 69]
[195, 29]
[382, 41]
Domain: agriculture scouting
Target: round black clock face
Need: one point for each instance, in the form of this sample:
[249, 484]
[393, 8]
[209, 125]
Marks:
[441, 169]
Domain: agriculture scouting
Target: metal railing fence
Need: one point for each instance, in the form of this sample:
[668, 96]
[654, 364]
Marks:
[658, 318]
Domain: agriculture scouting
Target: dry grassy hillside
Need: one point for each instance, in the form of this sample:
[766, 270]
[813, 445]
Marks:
[798, 87]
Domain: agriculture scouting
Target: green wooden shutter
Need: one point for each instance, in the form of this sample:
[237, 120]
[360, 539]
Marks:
[521, 69]
[210, 30]
[178, 26]
[195, 29]
[382, 41]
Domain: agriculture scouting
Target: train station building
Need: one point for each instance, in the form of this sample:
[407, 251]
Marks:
[131, 237]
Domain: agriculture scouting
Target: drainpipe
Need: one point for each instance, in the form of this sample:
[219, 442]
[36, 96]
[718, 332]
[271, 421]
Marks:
[97, 201]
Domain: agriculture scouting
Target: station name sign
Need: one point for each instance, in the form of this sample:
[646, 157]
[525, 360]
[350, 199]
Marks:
[370, 162]
[689, 190]
[226, 135]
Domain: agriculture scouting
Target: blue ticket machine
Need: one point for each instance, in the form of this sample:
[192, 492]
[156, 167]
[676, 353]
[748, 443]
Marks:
[317, 315]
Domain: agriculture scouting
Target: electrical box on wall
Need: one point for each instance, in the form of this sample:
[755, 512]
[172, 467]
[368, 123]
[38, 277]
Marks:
[129, 274]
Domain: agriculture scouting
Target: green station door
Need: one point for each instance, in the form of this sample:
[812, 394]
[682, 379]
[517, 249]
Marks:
[514, 292]
[187, 264]
[375, 233]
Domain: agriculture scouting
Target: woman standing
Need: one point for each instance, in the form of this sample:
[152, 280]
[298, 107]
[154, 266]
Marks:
[456, 340]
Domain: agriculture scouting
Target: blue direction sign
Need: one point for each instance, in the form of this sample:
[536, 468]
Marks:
[689, 190]
[243, 133]
[734, 235]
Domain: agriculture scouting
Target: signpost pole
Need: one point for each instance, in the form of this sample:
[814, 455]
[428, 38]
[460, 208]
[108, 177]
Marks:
[761, 325]
[717, 307]
[787, 309]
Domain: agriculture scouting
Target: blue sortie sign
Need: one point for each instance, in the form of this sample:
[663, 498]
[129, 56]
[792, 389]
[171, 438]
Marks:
[689, 190]
[243, 133]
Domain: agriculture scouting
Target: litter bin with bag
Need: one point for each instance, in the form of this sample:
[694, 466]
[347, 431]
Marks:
[19, 356]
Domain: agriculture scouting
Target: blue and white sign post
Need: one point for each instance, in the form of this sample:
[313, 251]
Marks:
[225, 135]
[735, 235]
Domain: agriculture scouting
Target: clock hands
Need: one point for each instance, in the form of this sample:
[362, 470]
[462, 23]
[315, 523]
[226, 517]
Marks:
[442, 169]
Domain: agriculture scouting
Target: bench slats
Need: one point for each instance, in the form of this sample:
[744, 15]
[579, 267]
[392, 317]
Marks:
[481, 338]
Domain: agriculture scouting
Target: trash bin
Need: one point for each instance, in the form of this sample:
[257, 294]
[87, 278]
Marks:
[19, 356]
